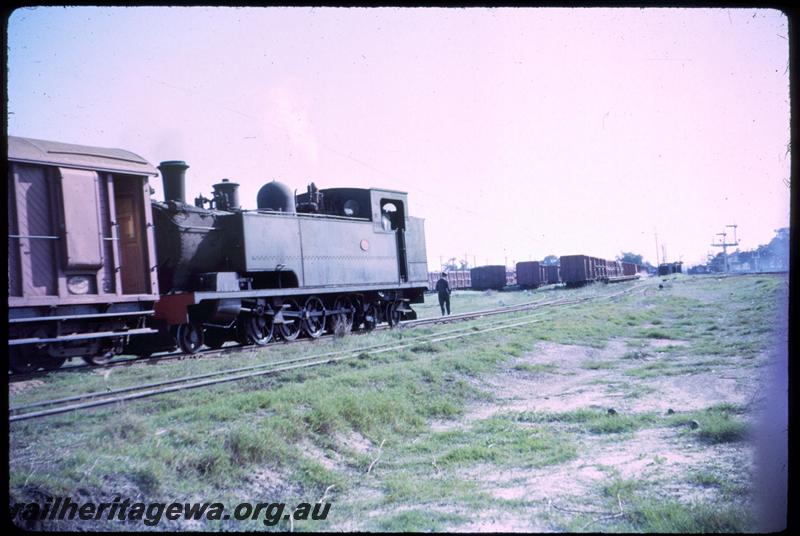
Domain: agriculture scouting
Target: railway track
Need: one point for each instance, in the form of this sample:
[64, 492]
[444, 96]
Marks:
[177, 355]
[100, 398]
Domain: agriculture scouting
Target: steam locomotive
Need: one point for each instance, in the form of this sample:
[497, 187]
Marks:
[97, 268]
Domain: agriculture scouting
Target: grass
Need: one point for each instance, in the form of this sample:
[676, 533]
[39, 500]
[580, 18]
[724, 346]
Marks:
[659, 515]
[591, 420]
[645, 509]
[536, 368]
[464, 301]
[717, 424]
[417, 521]
[500, 441]
[316, 428]
[598, 365]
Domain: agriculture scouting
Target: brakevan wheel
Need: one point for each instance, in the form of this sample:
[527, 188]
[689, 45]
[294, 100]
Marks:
[290, 328]
[190, 337]
[314, 317]
[53, 363]
[260, 329]
[99, 358]
[22, 362]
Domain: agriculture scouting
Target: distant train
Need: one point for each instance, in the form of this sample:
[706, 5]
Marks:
[97, 268]
[667, 268]
[573, 270]
[581, 269]
[458, 279]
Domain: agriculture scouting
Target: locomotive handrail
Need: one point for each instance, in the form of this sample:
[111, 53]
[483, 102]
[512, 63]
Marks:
[307, 214]
[35, 236]
[199, 227]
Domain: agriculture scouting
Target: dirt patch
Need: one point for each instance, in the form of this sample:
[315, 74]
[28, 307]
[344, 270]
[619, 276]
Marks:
[354, 441]
[265, 482]
[565, 388]
[495, 522]
[328, 458]
[18, 387]
[662, 343]
[658, 455]
[689, 392]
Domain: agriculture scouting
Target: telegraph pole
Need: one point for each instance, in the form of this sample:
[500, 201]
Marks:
[724, 245]
[657, 261]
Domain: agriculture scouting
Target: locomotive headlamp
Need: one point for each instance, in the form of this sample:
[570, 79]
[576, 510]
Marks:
[78, 284]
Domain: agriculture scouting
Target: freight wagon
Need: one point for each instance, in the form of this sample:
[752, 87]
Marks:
[458, 279]
[531, 274]
[630, 268]
[488, 277]
[553, 274]
[670, 268]
[581, 269]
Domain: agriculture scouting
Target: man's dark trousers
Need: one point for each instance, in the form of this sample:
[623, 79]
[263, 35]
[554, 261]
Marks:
[444, 300]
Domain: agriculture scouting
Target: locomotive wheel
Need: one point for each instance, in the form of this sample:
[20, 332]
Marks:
[314, 321]
[341, 322]
[53, 363]
[214, 338]
[190, 337]
[291, 328]
[100, 358]
[24, 362]
[358, 314]
[371, 316]
[260, 329]
[242, 334]
[392, 314]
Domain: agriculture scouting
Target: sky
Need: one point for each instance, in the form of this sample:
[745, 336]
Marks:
[517, 132]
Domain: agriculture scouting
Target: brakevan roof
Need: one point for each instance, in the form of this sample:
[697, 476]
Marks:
[77, 156]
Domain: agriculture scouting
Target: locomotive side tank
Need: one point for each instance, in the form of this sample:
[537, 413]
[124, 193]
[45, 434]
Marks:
[81, 258]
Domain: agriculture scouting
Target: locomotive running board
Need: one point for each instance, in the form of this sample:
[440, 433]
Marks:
[192, 298]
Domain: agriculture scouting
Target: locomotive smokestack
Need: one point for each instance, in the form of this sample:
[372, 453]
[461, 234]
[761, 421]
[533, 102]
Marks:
[173, 175]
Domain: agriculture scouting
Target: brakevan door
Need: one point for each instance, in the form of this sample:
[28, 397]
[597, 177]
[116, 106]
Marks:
[130, 231]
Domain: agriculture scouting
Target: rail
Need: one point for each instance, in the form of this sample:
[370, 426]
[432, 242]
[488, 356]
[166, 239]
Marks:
[96, 399]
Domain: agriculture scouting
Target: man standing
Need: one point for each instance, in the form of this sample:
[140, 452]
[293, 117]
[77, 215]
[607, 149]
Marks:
[443, 288]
